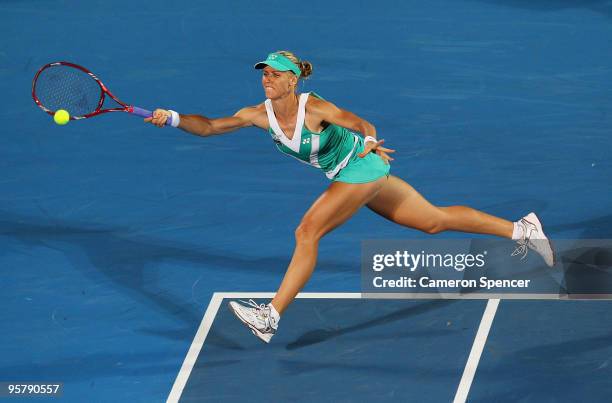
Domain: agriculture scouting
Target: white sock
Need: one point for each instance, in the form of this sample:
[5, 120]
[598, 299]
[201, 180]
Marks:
[518, 231]
[274, 312]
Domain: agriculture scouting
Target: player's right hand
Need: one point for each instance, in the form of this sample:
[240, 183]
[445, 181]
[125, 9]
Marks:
[159, 117]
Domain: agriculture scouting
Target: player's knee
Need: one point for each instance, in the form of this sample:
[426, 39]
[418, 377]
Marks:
[306, 232]
[433, 228]
[436, 224]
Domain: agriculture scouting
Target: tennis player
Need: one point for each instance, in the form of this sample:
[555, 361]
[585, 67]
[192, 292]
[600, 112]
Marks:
[345, 147]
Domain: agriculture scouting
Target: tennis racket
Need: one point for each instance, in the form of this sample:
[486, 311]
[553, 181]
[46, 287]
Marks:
[68, 86]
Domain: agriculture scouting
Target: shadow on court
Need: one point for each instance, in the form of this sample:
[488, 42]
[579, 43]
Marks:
[374, 349]
[106, 254]
[593, 228]
[322, 335]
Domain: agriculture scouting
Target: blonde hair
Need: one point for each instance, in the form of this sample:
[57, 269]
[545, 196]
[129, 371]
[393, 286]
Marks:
[304, 66]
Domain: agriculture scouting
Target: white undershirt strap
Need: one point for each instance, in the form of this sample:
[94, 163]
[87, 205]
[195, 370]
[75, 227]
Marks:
[301, 116]
[294, 142]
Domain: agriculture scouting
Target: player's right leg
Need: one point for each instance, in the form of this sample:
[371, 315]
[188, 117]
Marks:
[336, 205]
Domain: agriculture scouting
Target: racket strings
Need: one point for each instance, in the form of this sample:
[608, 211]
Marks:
[64, 87]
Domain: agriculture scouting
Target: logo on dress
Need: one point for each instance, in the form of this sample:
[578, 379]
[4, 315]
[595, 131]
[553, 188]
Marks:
[306, 141]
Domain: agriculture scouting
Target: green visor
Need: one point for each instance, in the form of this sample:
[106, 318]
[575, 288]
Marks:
[279, 62]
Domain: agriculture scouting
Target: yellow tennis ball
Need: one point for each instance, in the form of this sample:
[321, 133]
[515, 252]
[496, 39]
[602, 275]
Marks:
[61, 117]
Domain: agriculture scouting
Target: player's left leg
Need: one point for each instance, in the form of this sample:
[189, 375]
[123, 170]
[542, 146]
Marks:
[402, 204]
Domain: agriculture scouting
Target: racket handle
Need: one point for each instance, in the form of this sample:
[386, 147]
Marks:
[146, 114]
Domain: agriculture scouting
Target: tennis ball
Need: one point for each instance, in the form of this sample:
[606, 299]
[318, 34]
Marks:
[61, 117]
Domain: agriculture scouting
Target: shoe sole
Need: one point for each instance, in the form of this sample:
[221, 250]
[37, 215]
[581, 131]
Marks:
[550, 243]
[254, 330]
[552, 247]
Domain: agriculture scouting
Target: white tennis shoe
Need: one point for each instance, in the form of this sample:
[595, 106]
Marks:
[258, 318]
[533, 238]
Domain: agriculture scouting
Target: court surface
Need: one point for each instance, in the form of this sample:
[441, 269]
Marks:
[115, 236]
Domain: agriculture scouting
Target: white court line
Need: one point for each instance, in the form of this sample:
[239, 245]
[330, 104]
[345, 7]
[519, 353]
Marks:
[218, 297]
[207, 321]
[194, 350]
[477, 347]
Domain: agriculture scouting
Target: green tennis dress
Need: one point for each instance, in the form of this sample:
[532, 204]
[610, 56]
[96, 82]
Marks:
[335, 150]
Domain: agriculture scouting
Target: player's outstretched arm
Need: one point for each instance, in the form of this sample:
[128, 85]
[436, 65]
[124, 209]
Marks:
[203, 126]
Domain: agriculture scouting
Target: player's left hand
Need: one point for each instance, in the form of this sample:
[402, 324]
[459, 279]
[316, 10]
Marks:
[382, 152]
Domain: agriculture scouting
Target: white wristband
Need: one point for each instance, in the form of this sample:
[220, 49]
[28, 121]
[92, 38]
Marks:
[176, 119]
[370, 138]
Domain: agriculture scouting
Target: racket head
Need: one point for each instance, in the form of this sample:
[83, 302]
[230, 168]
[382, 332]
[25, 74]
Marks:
[68, 86]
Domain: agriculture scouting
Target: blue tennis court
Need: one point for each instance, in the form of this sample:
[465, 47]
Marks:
[116, 237]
